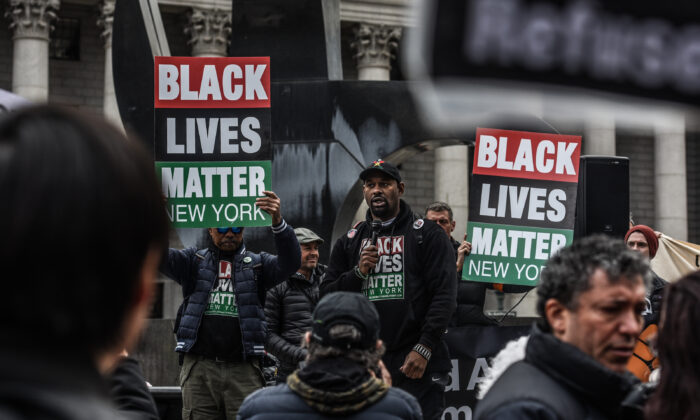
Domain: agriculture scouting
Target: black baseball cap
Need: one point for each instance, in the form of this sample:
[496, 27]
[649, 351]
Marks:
[381, 166]
[345, 308]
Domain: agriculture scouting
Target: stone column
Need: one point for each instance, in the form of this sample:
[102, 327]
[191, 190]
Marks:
[109, 99]
[208, 31]
[31, 25]
[599, 136]
[451, 174]
[375, 46]
[670, 180]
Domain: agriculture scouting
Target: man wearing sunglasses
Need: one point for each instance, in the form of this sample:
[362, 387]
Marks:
[220, 325]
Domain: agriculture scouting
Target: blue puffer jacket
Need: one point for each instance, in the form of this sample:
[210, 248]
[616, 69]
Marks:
[253, 274]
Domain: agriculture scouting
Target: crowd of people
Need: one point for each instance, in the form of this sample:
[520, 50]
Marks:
[362, 337]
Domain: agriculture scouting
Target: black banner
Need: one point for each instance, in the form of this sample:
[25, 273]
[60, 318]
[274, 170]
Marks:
[629, 47]
[471, 347]
[217, 134]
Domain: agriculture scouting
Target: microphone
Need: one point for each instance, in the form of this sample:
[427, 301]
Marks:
[376, 227]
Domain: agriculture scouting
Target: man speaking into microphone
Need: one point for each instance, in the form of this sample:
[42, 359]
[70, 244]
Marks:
[405, 265]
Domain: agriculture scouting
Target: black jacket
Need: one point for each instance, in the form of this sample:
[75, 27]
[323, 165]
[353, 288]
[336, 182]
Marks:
[288, 309]
[330, 389]
[415, 283]
[470, 300]
[654, 298]
[68, 387]
[557, 381]
[129, 392]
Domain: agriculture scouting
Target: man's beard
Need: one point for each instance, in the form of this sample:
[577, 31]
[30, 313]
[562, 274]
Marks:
[382, 212]
[231, 246]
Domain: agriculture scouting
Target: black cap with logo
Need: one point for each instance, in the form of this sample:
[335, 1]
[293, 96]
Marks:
[381, 166]
[345, 308]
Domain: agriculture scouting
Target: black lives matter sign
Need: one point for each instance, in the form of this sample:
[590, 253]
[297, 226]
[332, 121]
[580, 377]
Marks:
[522, 203]
[212, 138]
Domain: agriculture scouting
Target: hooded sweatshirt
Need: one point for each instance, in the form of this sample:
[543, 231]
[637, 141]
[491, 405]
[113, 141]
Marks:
[413, 286]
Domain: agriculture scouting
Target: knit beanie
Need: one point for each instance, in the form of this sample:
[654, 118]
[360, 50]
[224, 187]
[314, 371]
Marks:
[649, 235]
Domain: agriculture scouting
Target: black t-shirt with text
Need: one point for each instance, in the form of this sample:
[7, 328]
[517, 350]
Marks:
[220, 332]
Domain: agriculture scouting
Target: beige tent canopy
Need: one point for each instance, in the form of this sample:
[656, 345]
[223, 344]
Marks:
[675, 258]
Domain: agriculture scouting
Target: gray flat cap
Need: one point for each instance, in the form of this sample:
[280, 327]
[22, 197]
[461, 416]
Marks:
[305, 236]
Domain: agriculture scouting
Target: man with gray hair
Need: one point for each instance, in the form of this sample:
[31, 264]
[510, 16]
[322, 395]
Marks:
[343, 377]
[591, 299]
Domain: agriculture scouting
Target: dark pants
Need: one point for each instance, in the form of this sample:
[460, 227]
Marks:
[215, 390]
[428, 390]
[430, 394]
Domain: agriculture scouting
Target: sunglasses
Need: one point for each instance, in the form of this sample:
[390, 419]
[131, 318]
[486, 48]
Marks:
[235, 230]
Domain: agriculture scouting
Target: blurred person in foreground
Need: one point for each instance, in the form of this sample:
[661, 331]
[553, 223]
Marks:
[676, 395]
[289, 305]
[343, 377]
[83, 228]
[573, 364]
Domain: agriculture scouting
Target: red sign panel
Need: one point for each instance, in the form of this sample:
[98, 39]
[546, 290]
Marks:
[206, 82]
[523, 154]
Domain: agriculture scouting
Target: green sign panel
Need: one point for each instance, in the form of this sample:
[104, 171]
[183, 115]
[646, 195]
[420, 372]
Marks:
[210, 194]
[517, 253]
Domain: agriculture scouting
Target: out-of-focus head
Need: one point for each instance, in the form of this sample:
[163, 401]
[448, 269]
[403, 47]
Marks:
[642, 239]
[441, 213]
[83, 227]
[345, 308]
[345, 324]
[592, 295]
[681, 308]
[678, 342]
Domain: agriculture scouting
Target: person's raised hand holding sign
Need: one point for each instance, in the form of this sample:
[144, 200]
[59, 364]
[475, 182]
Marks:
[272, 205]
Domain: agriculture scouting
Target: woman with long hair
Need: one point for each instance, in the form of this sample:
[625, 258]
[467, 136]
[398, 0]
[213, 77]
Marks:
[676, 396]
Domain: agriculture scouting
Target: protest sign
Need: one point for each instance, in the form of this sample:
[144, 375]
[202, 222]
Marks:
[212, 138]
[522, 203]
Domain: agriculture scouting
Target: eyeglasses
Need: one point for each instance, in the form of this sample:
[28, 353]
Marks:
[224, 230]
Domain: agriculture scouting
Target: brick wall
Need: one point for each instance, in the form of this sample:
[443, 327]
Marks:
[639, 148]
[80, 84]
[692, 148]
[418, 174]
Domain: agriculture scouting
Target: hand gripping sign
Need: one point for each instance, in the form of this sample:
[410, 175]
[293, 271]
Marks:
[212, 138]
[521, 205]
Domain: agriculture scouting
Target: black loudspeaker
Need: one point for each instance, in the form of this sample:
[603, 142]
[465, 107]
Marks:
[603, 198]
